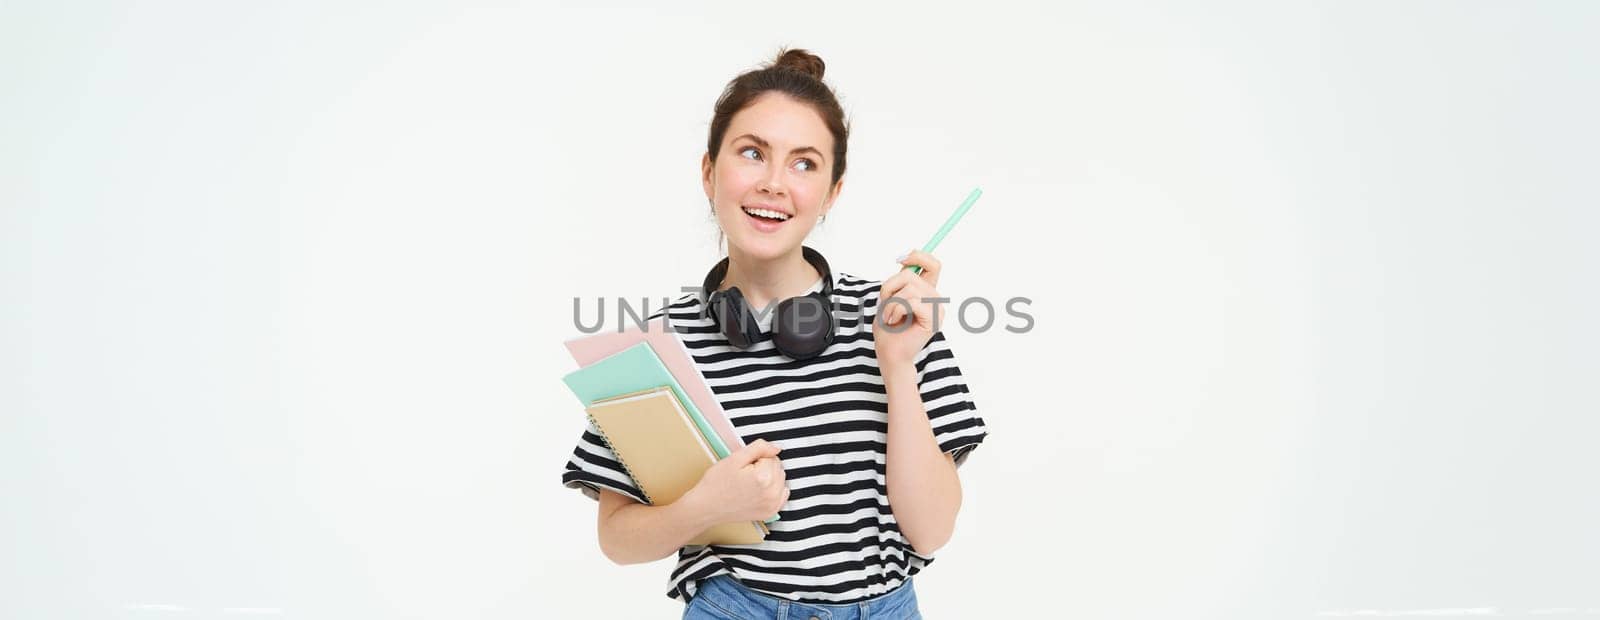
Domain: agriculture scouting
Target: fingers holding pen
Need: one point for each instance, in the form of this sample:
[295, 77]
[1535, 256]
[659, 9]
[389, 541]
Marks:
[929, 264]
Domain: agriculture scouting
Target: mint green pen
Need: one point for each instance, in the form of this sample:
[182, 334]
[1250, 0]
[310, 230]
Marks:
[949, 224]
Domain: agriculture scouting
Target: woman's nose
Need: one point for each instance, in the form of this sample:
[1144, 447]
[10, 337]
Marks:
[773, 182]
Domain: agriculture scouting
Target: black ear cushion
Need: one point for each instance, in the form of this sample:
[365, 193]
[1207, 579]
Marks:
[734, 319]
[802, 327]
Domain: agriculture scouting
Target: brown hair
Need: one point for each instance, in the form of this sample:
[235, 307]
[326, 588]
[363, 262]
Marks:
[796, 73]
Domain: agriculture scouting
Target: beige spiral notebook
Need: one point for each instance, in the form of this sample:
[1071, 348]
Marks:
[658, 443]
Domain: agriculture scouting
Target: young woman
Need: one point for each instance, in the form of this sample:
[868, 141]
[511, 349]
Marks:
[856, 416]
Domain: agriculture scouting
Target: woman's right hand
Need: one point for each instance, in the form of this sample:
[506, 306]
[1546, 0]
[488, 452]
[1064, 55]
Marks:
[749, 485]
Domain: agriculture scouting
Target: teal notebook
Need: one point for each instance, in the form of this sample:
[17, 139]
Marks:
[635, 369]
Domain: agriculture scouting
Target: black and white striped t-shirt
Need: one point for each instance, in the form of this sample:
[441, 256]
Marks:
[836, 540]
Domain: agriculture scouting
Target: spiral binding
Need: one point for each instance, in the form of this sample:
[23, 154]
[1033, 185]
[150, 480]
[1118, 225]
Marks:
[620, 460]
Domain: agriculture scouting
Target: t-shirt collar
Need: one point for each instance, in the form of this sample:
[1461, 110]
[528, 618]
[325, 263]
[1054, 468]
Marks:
[764, 321]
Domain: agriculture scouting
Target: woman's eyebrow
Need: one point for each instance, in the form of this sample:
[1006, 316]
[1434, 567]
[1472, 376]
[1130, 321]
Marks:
[763, 144]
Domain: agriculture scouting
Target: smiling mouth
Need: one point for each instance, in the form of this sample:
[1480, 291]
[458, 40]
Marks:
[767, 215]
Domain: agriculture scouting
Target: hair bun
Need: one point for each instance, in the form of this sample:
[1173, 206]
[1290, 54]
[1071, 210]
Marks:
[800, 60]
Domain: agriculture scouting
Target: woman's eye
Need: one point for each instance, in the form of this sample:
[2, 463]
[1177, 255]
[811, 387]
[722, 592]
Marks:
[809, 166]
[750, 149]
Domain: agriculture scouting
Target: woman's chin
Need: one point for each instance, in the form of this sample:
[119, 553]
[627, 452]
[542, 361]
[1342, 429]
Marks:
[767, 248]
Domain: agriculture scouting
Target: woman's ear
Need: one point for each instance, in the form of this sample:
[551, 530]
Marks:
[838, 186]
[705, 173]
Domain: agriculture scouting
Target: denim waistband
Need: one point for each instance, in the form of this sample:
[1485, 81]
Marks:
[725, 594]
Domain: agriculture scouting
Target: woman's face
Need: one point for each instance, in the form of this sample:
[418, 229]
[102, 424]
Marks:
[775, 157]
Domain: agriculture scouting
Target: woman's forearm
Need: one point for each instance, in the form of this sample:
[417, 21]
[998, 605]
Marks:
[635, 533]
[924, 490]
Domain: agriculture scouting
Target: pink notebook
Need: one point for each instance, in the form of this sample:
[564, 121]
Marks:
[674, 355]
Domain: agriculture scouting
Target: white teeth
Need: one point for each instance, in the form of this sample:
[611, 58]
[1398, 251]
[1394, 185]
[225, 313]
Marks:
[766, 213]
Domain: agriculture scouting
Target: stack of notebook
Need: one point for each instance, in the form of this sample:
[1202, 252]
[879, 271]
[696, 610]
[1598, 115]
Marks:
[649, 401]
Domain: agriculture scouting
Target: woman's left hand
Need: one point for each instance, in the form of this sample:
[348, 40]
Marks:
[899, 337]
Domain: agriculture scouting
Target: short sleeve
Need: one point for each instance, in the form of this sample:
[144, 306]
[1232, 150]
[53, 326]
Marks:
[957, 427]
[594, 466]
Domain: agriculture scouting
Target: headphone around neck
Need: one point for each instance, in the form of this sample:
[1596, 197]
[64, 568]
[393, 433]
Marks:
[802, 327]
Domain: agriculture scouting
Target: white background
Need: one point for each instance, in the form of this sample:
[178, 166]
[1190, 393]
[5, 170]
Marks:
[1314, 288]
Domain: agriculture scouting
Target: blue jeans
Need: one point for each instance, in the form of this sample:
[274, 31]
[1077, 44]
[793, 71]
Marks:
[723, 598]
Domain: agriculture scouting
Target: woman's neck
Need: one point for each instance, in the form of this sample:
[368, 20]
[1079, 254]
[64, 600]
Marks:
[762, 281]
